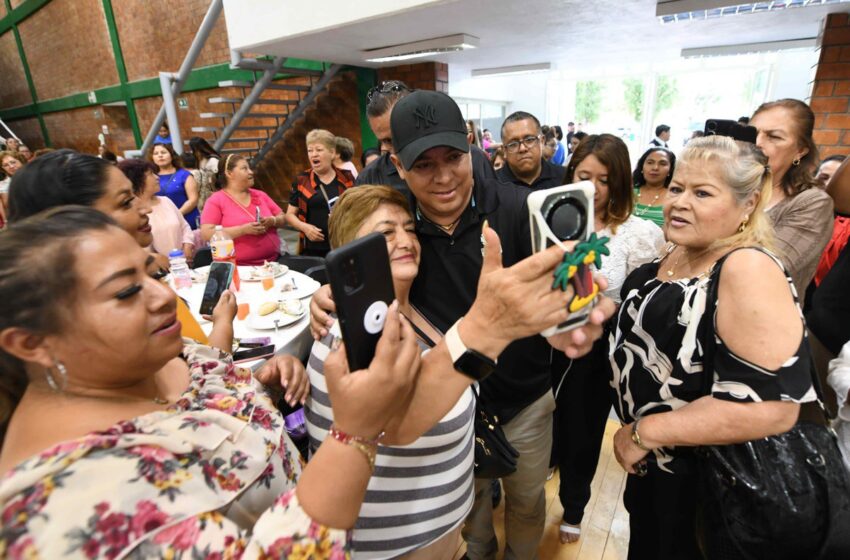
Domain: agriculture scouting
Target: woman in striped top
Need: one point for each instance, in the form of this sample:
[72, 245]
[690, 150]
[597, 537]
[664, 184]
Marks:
[651, 178]
[420, 493]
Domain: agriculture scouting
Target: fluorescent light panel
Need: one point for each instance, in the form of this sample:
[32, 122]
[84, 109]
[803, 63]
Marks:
[419, 49]
[749, 48]
[508, 70]
[689, 10]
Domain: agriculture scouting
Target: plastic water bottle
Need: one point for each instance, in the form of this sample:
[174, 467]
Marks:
[223, 249]
[222, 246]
[180, 274]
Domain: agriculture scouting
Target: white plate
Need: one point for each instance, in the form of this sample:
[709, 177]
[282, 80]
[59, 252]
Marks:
[266, 322]
[251, 273]
[304, 287]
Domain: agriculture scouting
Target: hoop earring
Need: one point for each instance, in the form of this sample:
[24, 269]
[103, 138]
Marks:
[796, 162]
[743, 225]
[63, 377]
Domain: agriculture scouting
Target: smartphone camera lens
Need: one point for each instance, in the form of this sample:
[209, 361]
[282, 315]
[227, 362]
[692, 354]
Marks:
[711, 127]
[566, 218]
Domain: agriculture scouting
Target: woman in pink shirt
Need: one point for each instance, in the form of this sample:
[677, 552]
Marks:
[247, 215]
[169, 228]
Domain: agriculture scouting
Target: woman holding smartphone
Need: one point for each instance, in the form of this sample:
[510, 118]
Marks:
[246, 214]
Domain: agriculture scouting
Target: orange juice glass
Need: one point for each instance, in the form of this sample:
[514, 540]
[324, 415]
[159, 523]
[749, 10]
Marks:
[242, 311]
[268, 282]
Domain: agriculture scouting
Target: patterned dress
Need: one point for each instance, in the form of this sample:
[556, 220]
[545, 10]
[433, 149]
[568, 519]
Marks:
[656, 355]
[211, 477]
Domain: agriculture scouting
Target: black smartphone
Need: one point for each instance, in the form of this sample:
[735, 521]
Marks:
[362, 287]
[219, 279]
[253, 353]
[732, 129]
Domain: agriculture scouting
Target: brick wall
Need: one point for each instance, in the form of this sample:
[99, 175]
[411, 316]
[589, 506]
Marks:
[79, 128]
[426, 75]
[68, 48]
[156, 34]
[831, 93]
[13, 85]
[29, 131]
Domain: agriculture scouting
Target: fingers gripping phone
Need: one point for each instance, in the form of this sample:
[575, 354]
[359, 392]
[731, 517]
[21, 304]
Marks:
[362, 287]
[219, 279]
[562, 214]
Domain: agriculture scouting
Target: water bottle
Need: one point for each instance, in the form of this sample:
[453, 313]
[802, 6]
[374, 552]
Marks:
[223, 249]
[180, 275]
[222, 246]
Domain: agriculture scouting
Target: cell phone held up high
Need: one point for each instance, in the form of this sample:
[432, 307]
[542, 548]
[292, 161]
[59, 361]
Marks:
[219, 279]
[732, 129]
[362, 287]
[561, 214]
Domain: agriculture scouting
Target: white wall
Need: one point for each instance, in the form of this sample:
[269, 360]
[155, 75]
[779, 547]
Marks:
[522, 92]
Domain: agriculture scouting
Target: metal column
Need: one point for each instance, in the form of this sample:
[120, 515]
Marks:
[165, 79]
[183, 73]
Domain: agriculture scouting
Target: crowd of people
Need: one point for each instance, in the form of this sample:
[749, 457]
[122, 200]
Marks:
[127, 431]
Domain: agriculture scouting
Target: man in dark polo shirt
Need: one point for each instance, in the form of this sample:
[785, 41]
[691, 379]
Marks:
[450, 205]
[382, 98]
[523, 142]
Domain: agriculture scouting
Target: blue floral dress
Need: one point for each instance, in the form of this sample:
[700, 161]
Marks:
[211, 477]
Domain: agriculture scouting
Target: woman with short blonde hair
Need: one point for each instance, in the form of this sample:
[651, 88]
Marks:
[759, 369]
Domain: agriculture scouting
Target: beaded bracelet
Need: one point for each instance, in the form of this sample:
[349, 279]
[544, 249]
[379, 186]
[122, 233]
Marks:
[364, 445]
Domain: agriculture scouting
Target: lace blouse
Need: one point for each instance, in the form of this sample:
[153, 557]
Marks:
[211, 477]
[636, 242]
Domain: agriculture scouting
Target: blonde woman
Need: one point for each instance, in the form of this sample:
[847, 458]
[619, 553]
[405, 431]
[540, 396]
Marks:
[714, 211]
[314, 193]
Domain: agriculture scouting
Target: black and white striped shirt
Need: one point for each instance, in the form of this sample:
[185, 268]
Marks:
[419, 492]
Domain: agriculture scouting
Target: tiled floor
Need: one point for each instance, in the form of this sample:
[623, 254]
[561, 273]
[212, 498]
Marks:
[605, 531]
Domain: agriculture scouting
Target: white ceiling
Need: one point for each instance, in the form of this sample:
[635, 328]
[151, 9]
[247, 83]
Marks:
[570, 34]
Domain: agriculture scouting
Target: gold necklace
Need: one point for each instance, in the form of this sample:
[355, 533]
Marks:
[672, 270]
[647, 207]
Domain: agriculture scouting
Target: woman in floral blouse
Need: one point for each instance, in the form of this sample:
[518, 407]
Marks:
[116, 447]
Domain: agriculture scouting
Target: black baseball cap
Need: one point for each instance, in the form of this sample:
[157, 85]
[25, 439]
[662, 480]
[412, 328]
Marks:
[424, 120]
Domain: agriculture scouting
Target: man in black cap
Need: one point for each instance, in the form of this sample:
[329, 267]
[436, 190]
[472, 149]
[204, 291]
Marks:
[381, 100]
[450, 205]
[522, 140]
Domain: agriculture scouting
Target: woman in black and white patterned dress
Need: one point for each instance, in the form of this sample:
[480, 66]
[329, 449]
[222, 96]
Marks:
[714, 210]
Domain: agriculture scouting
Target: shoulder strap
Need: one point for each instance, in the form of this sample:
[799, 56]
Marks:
[709, 342]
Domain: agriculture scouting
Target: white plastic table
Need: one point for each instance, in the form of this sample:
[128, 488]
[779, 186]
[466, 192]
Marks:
[292, 339]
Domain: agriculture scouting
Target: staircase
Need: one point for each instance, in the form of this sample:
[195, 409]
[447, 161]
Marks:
[253, 121]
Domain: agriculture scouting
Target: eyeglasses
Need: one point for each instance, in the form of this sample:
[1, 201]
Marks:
[529, 142]
[389, 86]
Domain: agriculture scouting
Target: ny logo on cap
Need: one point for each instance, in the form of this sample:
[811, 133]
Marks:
[426, 116]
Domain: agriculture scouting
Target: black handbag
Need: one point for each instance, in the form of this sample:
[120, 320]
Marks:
[782, 496]
[495, 457]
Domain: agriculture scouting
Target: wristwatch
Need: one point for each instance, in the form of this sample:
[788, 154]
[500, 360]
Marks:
[466, 360]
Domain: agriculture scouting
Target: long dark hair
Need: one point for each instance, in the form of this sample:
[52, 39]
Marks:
[201, 149]
[175, 159]
[38, 283]
[800, 177]
[637, 177]
[136, 170]
[614, 155]
[56, 179]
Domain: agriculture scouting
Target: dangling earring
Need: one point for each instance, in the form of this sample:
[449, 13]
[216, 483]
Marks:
[63, 377]
[796, 162]
[743, 225]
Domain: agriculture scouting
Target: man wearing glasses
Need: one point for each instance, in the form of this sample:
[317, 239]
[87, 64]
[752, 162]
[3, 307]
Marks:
[522, 140]
[381, 100]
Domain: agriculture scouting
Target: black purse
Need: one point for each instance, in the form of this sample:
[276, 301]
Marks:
[495, 457]
[782, 496]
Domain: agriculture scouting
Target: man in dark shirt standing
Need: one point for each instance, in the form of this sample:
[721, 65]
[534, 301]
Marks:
[522, 140]
[450, 205]
[382, 98]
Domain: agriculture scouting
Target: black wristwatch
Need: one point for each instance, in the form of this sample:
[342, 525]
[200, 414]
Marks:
[466, 360]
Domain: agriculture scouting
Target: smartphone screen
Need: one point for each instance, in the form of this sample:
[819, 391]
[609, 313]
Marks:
[219, 279]
[253, 353]
[362, 287]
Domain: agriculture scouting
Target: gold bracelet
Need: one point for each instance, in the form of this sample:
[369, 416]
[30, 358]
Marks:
[636, 437]
[368, 447]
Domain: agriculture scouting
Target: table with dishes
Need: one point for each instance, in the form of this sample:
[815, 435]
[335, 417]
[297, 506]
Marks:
[273, 301]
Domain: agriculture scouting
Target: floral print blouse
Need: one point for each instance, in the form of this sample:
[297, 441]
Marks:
[212, 477]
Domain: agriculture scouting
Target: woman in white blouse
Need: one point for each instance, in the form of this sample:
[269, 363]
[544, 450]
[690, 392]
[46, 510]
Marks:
[582, 385]
[169, 228]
